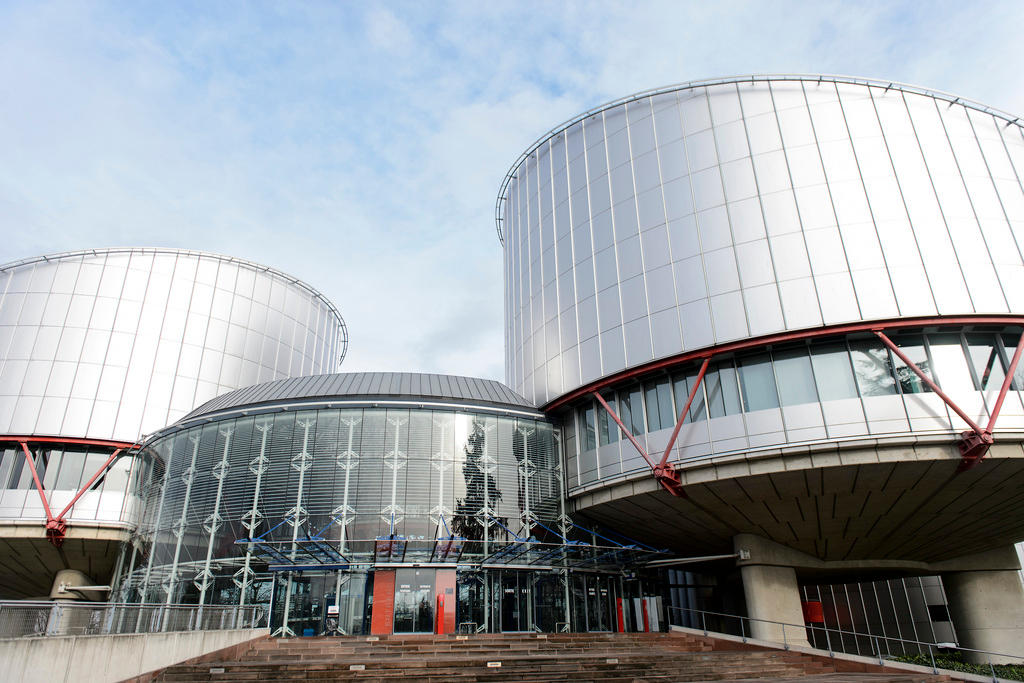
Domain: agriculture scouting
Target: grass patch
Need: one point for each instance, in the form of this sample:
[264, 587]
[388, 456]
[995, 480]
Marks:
[954, 661]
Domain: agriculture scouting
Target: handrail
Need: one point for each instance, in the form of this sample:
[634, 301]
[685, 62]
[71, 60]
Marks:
[40, 618]
[752, 78]
[874, 638]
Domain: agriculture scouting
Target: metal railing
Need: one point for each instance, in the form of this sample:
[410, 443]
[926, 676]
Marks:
[882, 647]
[21, 618]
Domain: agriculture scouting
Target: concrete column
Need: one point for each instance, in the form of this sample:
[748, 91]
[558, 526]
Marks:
[773, 594]
[987, 607]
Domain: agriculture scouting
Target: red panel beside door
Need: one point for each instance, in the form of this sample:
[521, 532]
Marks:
[382, 622]
[444, 583]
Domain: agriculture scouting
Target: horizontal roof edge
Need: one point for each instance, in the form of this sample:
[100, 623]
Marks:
[364, 384]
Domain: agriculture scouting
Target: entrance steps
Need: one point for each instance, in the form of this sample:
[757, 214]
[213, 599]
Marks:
[525, 658]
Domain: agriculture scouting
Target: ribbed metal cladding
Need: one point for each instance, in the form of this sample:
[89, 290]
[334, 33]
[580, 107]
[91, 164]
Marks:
[406, 386]
[365, 472]
[710, 212]
[115, 343]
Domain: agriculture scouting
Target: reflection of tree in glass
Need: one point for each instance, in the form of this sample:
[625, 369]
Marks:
[424, 615]
[874, 370]
[519, 451]
[877, 375]
[469, 520]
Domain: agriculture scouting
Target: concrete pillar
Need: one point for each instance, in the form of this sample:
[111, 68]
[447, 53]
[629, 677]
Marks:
[71, 580]
[987, 608]
[773, 595]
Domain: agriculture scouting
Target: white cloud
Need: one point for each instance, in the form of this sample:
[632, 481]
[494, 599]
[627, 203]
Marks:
[360, 148]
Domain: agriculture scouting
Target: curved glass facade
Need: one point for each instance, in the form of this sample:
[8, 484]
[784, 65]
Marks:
[112, 344]
[346, 493]
[715, 212]
[828, 389]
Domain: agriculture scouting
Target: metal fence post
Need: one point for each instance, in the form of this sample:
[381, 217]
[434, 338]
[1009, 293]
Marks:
[704, 622]
[785, 644]
[879, 648]
[992, 669]
[828, 642]
[743, 631]
[53, 623]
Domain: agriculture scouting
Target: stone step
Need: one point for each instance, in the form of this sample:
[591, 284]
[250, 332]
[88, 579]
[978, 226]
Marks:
[608, 658]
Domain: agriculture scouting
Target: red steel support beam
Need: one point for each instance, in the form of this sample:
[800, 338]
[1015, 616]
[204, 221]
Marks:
[39, 484]
[85, 487]
[686, 411]
[56, 525]
[931, 385]
[778, 338]
[66, 440]
[1014, 362]
[973, 444]
[664, 472]
[973, 447]
[666, 476]
[629, 435]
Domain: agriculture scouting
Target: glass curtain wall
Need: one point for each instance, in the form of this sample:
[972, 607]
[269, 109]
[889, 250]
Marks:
[787, 377]
[346, 475]
[63, 470]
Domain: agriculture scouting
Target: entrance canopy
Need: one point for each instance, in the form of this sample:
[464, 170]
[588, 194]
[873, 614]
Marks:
[320, 554]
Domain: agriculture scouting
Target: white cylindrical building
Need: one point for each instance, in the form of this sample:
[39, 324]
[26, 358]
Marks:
[833, 269]
[116, 343]
[100, 347]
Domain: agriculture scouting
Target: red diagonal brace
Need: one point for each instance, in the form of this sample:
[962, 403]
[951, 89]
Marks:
[686, 411]
[88, 484]
[973, 444]
[629, 435]
[35, 477]
[54, 527]
[664, 472]
[669, 483]
[974, 448]
[931, 385]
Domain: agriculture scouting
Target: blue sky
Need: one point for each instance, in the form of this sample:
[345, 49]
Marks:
[359, 146]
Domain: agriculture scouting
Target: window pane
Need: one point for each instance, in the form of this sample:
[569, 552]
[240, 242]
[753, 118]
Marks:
[716, 402]
[631, 406]
[681, 387]
[950, 362]
[70, 477]
[653, 414]
[52, 459]
[833, 372]
[1010, 342]
[665, 409]
[607, 430]
[796, 381]
[873, 368]
[758, 383]
[93, 461]
[986, 361]
[723, 391]
[730, 385]
[589, 430]
[117, 476]
[8, 456]
[913, 347]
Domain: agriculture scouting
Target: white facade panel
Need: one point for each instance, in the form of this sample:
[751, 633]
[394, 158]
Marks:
[714, 212]
[114, 344]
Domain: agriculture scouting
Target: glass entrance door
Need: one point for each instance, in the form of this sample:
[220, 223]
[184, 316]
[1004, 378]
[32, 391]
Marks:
[414, 601]
[593, 597]
[516, 602]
